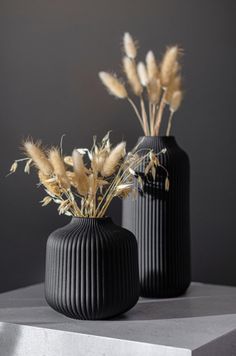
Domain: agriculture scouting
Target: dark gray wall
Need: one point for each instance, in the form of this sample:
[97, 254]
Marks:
[51, 52]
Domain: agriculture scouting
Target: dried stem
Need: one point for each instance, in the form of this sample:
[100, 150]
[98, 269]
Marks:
[160, 114]
[144, 115]
[110, 174]
[169, 123]
[136, 111]
[152, 75]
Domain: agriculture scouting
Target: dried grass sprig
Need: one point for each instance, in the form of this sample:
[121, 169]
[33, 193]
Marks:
[175, 85]
[152, 67]
[139, 116]
[130, 47]
[112, 161]
[154, 91]
[154, 84]
[174, 106]
[113, 85]
[80, 176]
[36, 153]
[85, 183]
[132, 75]
[50, 184]
[59, 167]
[176, 100]
[143, 75]
[169, 61]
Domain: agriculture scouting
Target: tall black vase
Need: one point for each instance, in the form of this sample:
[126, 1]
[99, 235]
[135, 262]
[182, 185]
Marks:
[161, 222]
[91, 269]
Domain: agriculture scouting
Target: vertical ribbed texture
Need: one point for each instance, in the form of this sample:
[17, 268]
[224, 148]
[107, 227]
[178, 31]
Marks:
[161, 222]
[91, 269]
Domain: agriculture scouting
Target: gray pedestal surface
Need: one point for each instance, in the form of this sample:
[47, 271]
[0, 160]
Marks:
[200, 323]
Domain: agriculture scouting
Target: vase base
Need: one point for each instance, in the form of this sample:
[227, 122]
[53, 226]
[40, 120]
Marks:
[97, 316]
[165, 293]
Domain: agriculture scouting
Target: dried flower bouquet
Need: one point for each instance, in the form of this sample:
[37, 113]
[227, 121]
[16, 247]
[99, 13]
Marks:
[156, 86]
[85, 183]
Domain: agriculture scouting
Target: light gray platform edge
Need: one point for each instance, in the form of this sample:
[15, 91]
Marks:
[201, 323]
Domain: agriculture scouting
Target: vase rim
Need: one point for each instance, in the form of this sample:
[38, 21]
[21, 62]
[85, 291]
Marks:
[165, 137]
[91, 218]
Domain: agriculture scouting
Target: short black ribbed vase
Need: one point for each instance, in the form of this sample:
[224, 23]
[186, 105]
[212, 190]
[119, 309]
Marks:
[160, 220]
[91, 269]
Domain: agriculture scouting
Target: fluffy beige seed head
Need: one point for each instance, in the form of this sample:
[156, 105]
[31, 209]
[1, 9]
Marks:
[154, 90]
[129, 46]
[175, 85]
[59, 167]
[98, 161]
[38, 156]
[81, 178]
[113, 85]
[51, 186]
[132, 75]
[168, 64]
[78, 163]
[152, 68]
[176, 100]
[123, 190]
[176, 69]
[142, 72]
[112, 161]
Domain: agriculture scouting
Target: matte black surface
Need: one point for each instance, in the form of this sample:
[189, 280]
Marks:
[91, 269]
[50, 54]
[160, 220]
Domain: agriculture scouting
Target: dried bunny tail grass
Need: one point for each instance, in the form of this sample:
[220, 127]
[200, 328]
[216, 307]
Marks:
[175, 85]
[68, 161]
[123, 190]
[113, 85]
[130, 47]
[113, 159]
[174, 106]
[168, 63]
[59, 167]
[93, 184]
[80, 173]
[35, 152]
[152, 67]
[72, 178]
[176, 69]
[78, 163]
[142, 72]
[50, 185]
[98, 161]
[132, 75]
[154, 91]
[176, 100]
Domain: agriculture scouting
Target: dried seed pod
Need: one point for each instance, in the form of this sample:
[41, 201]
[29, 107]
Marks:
[130, 47]
[132, 75]
[82, 183]
[112, 161]
[35, 152]
[175, 85]
[142, 72]
[167, 184]
[152, 67]
[167, 65]
[176, 100]
[59, 167]
[114, 85]
[154, 91]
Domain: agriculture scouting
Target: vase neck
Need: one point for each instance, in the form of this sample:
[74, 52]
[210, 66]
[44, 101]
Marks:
[91, 221]
[156, 142]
